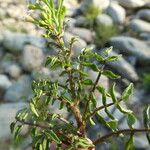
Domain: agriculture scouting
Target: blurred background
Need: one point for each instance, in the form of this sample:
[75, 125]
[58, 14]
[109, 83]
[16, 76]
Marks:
[123, 24]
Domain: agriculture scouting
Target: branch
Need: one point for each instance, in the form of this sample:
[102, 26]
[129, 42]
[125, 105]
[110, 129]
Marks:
[117, 133]
[32, 124]
[94, 87]
[100, 108]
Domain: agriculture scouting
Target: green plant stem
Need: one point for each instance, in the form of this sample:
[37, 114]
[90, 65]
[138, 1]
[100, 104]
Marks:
[94, 87]
[117, 133]
[100, 108]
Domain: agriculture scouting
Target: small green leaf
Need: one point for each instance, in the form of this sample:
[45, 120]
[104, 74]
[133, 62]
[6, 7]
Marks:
[12, 126]
[108, 51]
[130, 144]
[131, 119]
[146, 121]
[127, 92]
[110, 74]
[17, 130]
[112, 93]
[113, 58]
[92, 122]
[33, 109]
[87, 82]
[113, 124]
[51, 134]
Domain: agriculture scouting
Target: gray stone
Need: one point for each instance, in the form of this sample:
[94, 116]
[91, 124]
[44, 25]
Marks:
[7, 116]
[117, 13]
[32, 57]
[5, 83]
[14, 70]
[132, 3]
[77, 47]
[124, 69]
[144, 14]
[139, 26]
[15, 42]
[104, 19]
[20, 89]
[83, 33]
[145, 36]
[81, 21]
[133, 47]
[101, 4]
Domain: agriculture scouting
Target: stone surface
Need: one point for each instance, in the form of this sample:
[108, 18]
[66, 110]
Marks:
[132, 46]
[132, 3]
[15, 42]
[143, 14]
[14, 70]
[117, 13]
[124, 69]
[83, 33]
[5, 83]
[7, 115]
[145, 36]
[139, 26]
[77, 47]
[104, 19]
[32, 57]
[101, 4]
[19, 90]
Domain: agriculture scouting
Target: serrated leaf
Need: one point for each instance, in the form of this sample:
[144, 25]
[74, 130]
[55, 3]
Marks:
[110, 74]
[131, 120]
[127, 92]
[99, 57]
[87, 82]
[51, 134]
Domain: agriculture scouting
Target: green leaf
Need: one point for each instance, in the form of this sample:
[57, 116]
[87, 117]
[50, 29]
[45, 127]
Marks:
[99, 57]
[127, 92]
[87, 82]
[113, 124]
[92, 122]
[91, 65]
[51, 134]
[33, 109]
[131, 119]
[110, 74]
[113, 58]
[130, 144]
[112, 93]
[17, 130]
[146, 121]
[108, 51]
[12, 126]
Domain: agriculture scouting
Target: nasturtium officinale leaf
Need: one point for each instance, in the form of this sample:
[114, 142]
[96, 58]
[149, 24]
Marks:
[12, 126]
[127, 92]
[108, 51]
[110, 74]
[16, 131]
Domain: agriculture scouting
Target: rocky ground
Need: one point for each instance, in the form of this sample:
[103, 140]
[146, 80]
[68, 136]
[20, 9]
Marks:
[23, 51]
